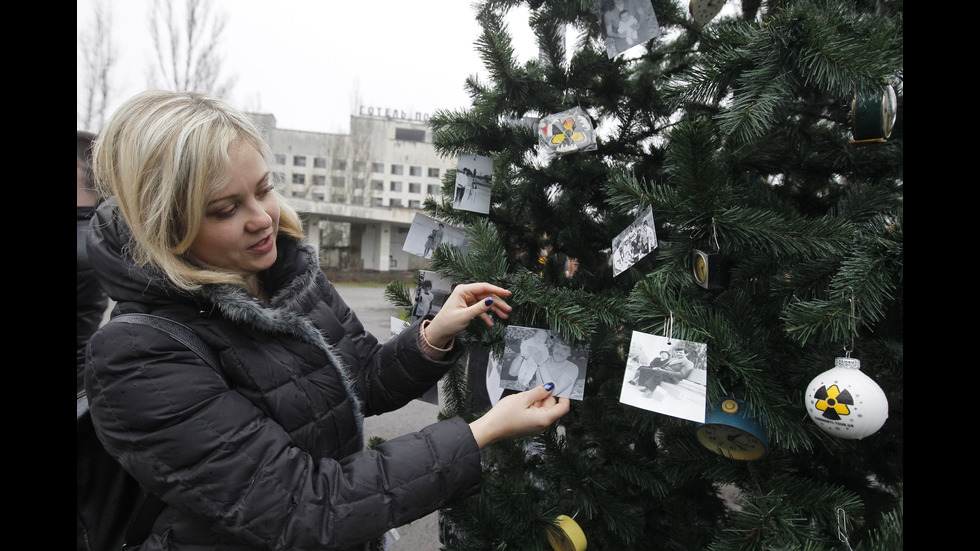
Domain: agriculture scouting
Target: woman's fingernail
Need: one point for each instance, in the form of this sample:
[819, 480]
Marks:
[489, 301]
[549, 386]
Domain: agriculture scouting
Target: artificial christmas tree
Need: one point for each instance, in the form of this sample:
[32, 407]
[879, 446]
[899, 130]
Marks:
[738, 133]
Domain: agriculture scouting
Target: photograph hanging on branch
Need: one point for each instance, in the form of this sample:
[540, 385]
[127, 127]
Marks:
[626, 23]
[534, 357]
[426, 233]
[431, 293]
[668, 376]
[567, 132]
[474, 174]
[431, 396]
[633, 243]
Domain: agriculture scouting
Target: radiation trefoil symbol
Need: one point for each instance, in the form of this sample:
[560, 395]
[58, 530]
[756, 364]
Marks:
[567, 131]
[833, 402]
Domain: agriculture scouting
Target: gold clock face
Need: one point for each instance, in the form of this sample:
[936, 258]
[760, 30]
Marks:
[731, 442]
[700, 269]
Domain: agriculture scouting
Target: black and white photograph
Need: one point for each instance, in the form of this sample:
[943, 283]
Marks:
[431, 293]
[426, 233]
[633, 243]
[666, 376]
[474, 174]
[626, 23]
[431, 396]
[534, 357]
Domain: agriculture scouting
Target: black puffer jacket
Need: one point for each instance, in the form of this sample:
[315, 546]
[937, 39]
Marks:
[90, 299]
[268, 454]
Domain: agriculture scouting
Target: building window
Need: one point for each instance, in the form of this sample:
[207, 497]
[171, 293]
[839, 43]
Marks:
[395, 202]
[319, 180]
[377, 202]
[414, 171]
[378, 167]
[299, 178]
[397, 169]
[377, 185]
[280, 159]
[318, 197]
[319, 162]
[358, 183]
[338, 198]
[395, 186]
[299, 160]
[337, 181]
[415, 188]
[409, 135]
[339, 164]
[415, 204]
[432, 189]
[359, 166]
[433, 173]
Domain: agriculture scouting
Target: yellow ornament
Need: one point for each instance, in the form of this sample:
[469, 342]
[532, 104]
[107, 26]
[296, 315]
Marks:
[566, 535]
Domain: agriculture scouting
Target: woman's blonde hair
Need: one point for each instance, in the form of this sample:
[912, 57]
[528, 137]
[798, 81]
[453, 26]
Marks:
[163, 154]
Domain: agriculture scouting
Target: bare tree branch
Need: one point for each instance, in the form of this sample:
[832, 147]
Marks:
[98, 59]
[187, 49]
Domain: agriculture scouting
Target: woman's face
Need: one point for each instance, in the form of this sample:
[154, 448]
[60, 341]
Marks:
[560, 351]
[241, 220]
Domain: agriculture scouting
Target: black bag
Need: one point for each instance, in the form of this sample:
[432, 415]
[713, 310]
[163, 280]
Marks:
[112, 510]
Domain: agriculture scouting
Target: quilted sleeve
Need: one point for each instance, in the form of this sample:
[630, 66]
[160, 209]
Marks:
[210, 453]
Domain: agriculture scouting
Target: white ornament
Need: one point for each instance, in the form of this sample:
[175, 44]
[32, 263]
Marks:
[845, 402]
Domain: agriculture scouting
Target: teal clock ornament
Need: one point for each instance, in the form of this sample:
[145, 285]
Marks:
[731, 431]
[873, 117]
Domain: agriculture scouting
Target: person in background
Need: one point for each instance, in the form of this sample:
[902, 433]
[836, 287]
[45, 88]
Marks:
[269, 452]
[90, 300]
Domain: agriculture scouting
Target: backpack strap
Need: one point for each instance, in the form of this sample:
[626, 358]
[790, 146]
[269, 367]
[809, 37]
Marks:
[180, 333]
[149, 509]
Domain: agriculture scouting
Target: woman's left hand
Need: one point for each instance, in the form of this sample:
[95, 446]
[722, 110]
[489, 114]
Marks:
[467, 301]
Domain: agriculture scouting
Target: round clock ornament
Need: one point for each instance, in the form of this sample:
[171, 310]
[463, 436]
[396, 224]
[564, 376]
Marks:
[873, 117]
[566, 535]
[845, 402]
[731, 431]
[711, 270]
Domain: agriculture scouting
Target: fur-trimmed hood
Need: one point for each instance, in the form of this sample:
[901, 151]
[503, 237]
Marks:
[296, 269]
[293, 280]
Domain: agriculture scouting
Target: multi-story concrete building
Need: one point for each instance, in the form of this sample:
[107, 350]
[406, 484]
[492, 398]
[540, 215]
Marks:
[358, 193]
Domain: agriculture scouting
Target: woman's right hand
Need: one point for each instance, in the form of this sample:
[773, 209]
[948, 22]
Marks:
[466, 302]
[524, 414]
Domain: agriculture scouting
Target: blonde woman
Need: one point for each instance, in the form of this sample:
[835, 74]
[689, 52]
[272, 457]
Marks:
[268, 453]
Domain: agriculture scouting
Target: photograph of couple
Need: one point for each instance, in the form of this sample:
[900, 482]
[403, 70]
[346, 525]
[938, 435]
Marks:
[537, 356]
[667, 376]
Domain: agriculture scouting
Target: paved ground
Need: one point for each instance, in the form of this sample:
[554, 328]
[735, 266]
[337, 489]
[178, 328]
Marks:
[375, 313]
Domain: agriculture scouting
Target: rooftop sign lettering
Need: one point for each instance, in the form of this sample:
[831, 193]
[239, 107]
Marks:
[393, 114]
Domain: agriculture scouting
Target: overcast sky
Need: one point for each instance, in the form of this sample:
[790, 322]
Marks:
[304, 61]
